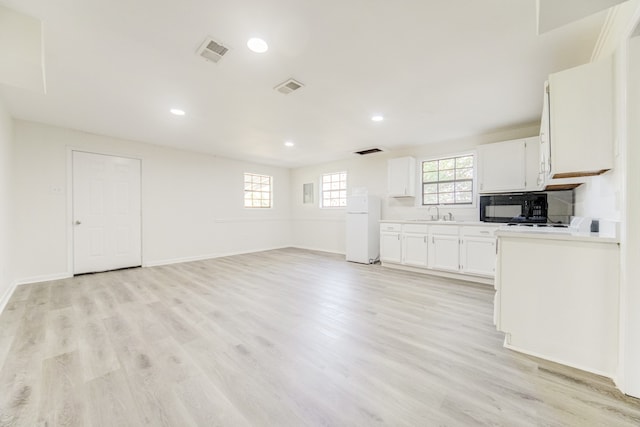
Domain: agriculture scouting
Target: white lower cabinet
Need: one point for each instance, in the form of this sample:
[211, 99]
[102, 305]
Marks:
[444, 253]
[451, 248]
[414, 245]
[390, 243]
[478, 256]
[478, 251]
[444, 242]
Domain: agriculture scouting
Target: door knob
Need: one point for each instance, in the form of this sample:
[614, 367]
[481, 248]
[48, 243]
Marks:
[78, 222]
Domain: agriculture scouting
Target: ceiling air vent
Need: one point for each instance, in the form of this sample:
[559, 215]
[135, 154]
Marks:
[211, 50]
[368, 151]
[289, 86]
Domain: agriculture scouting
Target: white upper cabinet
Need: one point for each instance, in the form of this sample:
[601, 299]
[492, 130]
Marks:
[544, 167]
[509, 166]
[401, 177]
[581, 120]
[532, 163]
[502, 167]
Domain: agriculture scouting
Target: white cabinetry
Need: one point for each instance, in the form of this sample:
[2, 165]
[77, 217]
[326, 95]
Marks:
[509, 166]
[443, 248]
[544, 168]
[414, 244]
[390, 243]
[532, 168]
[502, 166]
[581, 120]
[564, 306]
[401, 177]
[477, 251]
[453, 250]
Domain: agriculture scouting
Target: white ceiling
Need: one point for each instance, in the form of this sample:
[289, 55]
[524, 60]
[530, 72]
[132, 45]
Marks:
[436, 69]
[556, 13]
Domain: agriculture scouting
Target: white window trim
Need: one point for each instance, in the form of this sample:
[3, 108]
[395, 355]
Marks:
[320, 190]
[271, 201]
[474, 195]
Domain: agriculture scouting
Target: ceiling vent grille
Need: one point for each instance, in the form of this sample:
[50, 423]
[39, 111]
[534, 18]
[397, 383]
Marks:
[289, 86]
[211, 50]
[368, 151]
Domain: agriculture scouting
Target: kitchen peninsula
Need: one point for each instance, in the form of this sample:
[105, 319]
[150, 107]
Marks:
[557, 297]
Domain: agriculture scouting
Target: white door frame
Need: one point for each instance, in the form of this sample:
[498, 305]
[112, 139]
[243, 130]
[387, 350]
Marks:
[69, 215]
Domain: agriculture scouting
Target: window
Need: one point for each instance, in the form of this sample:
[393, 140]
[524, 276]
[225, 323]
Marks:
[257, 191]
[448, 181]
[334, 190]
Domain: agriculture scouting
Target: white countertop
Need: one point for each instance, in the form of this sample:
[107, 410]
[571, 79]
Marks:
[554, 234]
[440, 222]
[518, 232]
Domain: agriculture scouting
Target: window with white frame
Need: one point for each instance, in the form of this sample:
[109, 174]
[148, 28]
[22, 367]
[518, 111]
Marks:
[448, 181]
[257, 190]
[333, 188]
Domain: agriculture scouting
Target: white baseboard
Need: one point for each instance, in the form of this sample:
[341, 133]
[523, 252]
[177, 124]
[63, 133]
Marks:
[431, 272]
[205, 257]
[559, 361]
[43, 278]
[309, 248]
[7, 296]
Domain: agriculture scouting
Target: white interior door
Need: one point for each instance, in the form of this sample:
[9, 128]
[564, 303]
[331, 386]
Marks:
[106, 213]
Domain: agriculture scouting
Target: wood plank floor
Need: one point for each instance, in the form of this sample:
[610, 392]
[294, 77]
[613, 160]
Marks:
[279, 338]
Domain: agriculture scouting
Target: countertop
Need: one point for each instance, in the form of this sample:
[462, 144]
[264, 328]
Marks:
[518, 232]
[529, 233]
[440, 222]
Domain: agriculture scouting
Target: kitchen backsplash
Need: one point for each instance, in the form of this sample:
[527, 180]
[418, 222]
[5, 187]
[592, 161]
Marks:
[561, 206]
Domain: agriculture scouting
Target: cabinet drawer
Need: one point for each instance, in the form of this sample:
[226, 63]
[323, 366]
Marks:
[450, 230]
[390, 227]
[478, 231]
[415, 228]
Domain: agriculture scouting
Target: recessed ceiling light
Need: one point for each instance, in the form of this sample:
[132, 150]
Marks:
[377, 118]
[177, 112]
[257, 45]
[289, 144]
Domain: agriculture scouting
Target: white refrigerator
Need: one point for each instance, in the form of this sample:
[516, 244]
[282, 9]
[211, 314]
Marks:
[363, 229]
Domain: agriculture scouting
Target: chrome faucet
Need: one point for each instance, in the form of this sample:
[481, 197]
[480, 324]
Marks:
[437, 217]
[448, 217]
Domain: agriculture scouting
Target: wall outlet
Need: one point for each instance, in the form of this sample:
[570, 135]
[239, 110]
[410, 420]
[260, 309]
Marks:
[56, 190]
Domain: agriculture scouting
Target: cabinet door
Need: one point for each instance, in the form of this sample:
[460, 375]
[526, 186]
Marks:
[444, 252]
[581, 108]
[414, 251]
[390, 247]
[478, 255]
[544, 159]
[532, 153]
[401, 177]
[502, 166]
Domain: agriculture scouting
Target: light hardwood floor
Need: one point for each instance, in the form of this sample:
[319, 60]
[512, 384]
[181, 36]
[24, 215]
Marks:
[278, 338]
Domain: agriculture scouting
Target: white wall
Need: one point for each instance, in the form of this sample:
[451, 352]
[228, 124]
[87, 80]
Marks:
[6, 142]
[615, 41]
[192, 204]
[631, 236]
[600, 197]
[323, 229]
[21, 47]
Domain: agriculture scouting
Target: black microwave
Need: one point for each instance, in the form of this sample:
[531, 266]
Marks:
[514, 207]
